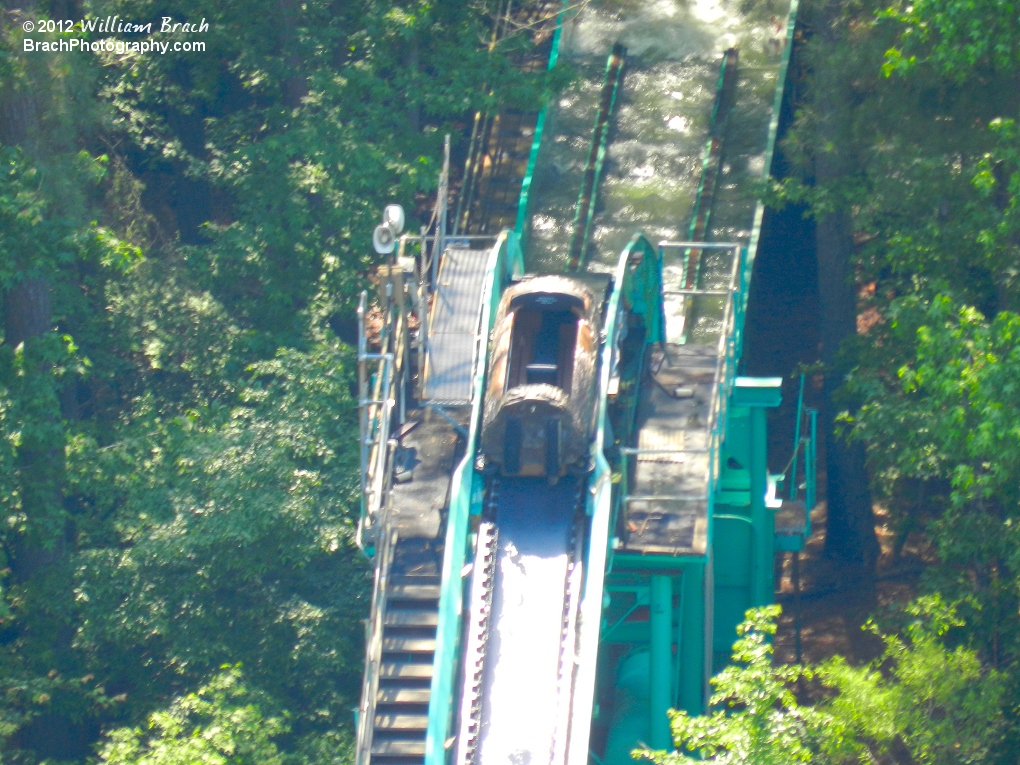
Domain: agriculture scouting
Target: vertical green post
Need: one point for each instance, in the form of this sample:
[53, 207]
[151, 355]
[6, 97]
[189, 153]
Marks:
[661, 654]
[762, 586]
[691, 654]
[759, 393]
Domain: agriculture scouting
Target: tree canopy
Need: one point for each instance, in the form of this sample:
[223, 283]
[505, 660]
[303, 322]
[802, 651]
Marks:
[183, 236]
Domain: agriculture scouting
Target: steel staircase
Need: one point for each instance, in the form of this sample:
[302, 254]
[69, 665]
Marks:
[405, 671]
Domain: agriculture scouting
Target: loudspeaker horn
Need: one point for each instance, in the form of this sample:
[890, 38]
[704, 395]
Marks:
[383, 239]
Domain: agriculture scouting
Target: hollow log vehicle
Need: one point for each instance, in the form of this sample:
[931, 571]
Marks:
[539, 413]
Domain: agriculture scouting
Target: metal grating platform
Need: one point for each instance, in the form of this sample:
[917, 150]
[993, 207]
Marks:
[666, 510]
[453, 328]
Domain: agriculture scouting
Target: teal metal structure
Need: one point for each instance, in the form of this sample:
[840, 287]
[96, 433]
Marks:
[682, 519]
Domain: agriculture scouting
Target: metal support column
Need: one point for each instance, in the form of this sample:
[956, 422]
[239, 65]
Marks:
[661, 654]
[763, 541]
[691, 653]
[758, 394]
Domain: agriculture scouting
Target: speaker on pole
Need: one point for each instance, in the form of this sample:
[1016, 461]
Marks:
[383, 239]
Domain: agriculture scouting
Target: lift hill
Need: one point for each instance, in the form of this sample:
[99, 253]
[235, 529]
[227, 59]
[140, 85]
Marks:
[554, 613]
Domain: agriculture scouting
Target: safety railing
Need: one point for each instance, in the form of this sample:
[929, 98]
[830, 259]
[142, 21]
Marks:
[381, 391]
[373, 645]
[378, 373]
[803, 462]
[727, 354]
[382, 373]
[505, 262]
[805, 439]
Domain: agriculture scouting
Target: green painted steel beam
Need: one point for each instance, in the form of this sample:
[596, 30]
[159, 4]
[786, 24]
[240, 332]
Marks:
[695, 633]
[581, 229]
[763, 539]
[757, 391]
[758, 394]
[628, 633]
[635, 562]
[661, 656]
[505, 263]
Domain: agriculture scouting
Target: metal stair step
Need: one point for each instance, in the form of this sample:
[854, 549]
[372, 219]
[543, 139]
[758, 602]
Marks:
[414, 591]
[399, 748]
[402, 696]
[408, 644]
[398, 618]
[394, 669]
[401, 722]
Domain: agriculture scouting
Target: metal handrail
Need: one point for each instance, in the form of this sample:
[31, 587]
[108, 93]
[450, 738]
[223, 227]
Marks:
[727, 353]
[373, 648]
[375, 409]
[683, 245]
[698, 293]
[804, 447]
[667, 498]
[727, 348]
[628, 450]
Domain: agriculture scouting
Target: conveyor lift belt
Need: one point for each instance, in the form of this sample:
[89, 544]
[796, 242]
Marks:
[521, 637]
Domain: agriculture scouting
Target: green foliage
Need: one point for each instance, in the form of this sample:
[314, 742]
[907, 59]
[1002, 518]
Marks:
[927, 169]
[939, 706]
[222, 722]
[41, 242]
[227, 535]
[941, 406]
[181, 443]
[764, 724]
[955, 37]
[919, 702]
[297, 132]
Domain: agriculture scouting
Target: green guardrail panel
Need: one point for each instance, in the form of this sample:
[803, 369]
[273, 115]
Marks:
[505, 263]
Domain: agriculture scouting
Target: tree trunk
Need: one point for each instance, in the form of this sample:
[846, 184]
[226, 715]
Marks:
[295, 87]
[28, 311]
[40, 457]
[28, 318]
[65, 10]
[850, 533]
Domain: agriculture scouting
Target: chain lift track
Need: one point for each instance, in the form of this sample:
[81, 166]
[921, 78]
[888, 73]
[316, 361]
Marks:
[485, 592]
[568, 643]
[480, 610]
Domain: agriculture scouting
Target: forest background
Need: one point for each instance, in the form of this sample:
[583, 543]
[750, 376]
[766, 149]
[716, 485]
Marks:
[182, 238]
